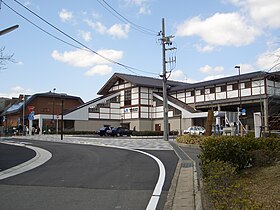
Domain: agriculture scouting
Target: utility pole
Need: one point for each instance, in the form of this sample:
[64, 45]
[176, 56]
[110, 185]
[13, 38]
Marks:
[165, 41]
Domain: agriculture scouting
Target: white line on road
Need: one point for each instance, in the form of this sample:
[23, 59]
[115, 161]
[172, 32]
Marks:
[152, 205]
[40, 158]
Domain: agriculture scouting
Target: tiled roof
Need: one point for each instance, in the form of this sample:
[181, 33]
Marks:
[18, 106]
[137, 81]
[252, 75]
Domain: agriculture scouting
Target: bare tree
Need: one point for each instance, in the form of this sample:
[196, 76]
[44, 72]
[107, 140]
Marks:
[4, 59]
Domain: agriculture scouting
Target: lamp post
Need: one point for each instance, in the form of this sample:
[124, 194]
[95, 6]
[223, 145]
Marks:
[23, 114]
[239, 109]
[53, 105]
[62, 103]
[7, 30]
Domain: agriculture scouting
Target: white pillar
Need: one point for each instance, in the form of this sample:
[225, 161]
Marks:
[257, 124]
[41, 125]
[30, 126]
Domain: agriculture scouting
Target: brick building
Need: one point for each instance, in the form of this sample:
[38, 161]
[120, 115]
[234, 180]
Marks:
[45, 108]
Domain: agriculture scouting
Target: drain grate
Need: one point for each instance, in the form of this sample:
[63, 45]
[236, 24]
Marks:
[186, 165]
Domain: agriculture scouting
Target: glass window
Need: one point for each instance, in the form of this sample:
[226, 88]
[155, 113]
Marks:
[127, 97]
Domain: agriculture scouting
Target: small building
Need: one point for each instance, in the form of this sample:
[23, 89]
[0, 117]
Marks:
[43, 108]
[136, 102]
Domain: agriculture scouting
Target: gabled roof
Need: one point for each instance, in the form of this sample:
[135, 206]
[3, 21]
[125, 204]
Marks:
[137, 81]
[16, 107]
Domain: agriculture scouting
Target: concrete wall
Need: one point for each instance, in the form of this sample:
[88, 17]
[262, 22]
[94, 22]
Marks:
[94, 125]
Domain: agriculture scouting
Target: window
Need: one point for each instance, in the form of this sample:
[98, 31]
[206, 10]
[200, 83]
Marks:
[192, 93]
[235, 86]
[212, 90]
[248, 84]
[127, 97]
[93, 110]
[224, 88]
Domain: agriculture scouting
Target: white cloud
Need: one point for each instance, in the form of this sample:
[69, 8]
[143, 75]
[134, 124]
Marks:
[246, 68]
[211, 70]
[269, 60]
[84, 58]
[99, 70]
[65, 15]
[119, 30]
[206, 48]
[98, 26]
[177, 75]
[221, 29]
[213, 77]
[27, 3]
[16, 91]
[143, 6]
[86, 35]
[144, 10]
[264, 12]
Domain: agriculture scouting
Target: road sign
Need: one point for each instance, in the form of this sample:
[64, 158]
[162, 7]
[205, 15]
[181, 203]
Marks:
[31, 108]
[31, 116]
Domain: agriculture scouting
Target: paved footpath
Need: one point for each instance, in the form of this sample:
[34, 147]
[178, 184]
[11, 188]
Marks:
[183, 194]
[129, 142]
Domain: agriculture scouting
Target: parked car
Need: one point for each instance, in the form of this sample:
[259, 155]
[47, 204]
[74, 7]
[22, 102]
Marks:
[120, 131]
[104, 131]
[195, 130]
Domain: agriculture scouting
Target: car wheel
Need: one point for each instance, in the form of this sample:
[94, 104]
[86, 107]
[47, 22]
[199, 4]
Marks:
[118, 134]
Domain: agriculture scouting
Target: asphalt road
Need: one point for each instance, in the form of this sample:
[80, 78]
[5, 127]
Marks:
[88, 177]
[11, 156]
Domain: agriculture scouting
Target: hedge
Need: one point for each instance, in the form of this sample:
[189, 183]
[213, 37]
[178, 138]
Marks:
[238, 151]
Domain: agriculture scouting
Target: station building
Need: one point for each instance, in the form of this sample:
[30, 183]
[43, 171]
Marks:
[136, 102]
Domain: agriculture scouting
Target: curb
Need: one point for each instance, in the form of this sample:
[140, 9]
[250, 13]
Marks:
[184, 192]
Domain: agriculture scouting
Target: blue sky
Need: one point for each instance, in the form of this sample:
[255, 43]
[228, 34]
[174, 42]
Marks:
[211, 38]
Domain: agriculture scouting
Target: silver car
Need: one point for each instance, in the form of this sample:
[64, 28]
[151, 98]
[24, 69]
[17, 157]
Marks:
[195, 130]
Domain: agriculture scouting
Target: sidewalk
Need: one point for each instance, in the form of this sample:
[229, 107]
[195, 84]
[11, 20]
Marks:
[184, 193]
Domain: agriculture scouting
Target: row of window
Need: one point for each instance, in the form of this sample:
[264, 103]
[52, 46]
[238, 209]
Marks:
[219, 89]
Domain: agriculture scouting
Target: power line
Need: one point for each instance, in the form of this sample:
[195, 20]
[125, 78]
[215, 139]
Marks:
[40, 28]
[119, 16]
[131, 69]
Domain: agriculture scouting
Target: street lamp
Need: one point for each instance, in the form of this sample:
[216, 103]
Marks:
[7, 30]
[239, 109]
[23, 115]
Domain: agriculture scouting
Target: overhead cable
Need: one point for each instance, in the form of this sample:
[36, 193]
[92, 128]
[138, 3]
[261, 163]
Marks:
[119, 16]
[131, 69]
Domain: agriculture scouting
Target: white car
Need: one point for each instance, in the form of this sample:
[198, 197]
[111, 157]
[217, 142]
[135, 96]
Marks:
[195, 130]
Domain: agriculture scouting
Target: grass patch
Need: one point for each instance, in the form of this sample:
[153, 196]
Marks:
[263, 185]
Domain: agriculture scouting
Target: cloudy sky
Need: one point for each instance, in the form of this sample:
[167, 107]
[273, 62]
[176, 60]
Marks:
[211, 38]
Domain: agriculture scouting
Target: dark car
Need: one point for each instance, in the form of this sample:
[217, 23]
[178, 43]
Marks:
[120, 131]
[104, 131]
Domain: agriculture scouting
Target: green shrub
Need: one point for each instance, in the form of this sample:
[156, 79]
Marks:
[236, 150]
[190, 139]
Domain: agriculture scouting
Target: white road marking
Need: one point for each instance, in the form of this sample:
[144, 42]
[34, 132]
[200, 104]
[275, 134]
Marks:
[40, 158]
[158, 188]
[152, 205]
